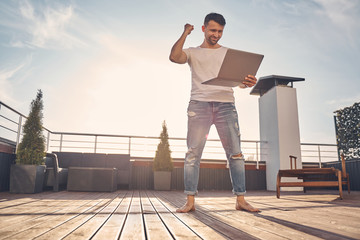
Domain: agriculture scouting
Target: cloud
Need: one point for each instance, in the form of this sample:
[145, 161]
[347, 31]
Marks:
[12, 77]
[6, 87]
[345, 15]
[341, 12]
[334, 21]
[43, 26]
[344, 102]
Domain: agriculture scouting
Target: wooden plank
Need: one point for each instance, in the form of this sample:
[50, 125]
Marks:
[24, 209]
[25, 197]
[154, 227]
[11, 200]
[201, 229]
[178, 229]
[226, 229]
[318, 218]
[134, 227]
[91, 226]
[283, 229]
[112, 228]
[146, 206]
[221, 210]
[307, 171]
[314, 228]
[254, 225]
[309, 184]
[49, 222]
[64, 226]
[28, 226]
[299, 213]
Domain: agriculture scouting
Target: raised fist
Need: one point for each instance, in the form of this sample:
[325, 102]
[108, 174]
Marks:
[188, 28]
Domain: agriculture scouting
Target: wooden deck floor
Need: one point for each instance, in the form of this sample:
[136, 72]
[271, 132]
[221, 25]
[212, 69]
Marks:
[151, 215]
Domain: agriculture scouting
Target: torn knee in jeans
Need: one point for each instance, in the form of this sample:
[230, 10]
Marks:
[238, 156]
[191, 114]
[190, 158]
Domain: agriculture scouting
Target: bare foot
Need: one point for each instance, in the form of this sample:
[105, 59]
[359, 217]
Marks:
[189, 205]
[243, 205]
[186, 208]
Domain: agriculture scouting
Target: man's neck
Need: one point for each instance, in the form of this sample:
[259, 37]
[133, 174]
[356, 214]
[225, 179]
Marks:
[205, 44]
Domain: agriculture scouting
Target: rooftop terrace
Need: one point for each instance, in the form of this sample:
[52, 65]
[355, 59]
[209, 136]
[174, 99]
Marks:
[137, 213]
[151, 215]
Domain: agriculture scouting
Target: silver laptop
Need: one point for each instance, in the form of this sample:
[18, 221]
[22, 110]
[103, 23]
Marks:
[235, 67]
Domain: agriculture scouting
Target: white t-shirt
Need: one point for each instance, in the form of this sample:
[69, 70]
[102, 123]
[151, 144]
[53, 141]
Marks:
[205, 64]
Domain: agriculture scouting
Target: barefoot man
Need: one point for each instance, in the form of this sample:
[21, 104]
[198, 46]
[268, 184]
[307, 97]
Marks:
[210, 105]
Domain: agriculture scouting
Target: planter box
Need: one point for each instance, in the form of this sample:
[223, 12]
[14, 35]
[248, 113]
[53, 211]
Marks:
[162, 180]
[27, 178]
[6, 160]
[92, 179]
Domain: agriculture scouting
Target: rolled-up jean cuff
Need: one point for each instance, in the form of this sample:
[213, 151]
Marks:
[239, 193]
[191, 193]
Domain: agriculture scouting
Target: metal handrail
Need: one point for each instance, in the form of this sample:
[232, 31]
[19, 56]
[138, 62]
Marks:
[133, 143]
[20, 114]
[319, 151]
[19, 125]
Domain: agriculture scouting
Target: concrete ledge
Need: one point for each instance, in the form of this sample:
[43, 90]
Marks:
[92, 179]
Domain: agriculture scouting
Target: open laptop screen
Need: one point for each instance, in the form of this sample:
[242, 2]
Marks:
[235, 67]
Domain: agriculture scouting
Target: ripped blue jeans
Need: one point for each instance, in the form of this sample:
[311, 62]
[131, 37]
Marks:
[201, 115]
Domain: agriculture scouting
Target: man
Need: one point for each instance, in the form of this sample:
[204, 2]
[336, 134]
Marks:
[210, 105]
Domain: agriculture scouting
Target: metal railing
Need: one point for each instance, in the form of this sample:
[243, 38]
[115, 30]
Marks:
[11, 122]
[136, 146]
[142, 146]
[321, 153]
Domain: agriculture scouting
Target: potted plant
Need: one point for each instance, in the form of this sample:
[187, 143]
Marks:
[163, 164]
[27, 175]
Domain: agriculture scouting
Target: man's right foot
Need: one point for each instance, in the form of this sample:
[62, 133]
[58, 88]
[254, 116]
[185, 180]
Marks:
[186, 208]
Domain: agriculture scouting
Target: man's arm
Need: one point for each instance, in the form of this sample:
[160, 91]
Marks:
[177, 55]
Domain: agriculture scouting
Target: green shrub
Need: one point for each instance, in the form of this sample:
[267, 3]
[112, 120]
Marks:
[163, 160]
[31, 150]
[347, 123]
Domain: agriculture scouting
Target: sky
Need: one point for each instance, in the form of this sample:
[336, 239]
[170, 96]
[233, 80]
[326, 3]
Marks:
[103, 66]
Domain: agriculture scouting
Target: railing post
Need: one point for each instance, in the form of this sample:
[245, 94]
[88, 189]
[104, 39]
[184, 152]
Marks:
[319, 153]
[48, 142]
[257, 155]
[18, 133]
[129, 146]
[337, 140]
[95, 143]
[61, 140]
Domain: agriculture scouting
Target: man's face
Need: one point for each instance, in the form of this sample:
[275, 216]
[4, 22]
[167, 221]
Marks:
[213, 32]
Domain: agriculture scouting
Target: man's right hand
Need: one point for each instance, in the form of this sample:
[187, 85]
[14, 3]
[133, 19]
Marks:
[188, 28]
[177, 55]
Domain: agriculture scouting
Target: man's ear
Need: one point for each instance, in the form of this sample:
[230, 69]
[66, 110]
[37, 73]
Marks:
[203, 28]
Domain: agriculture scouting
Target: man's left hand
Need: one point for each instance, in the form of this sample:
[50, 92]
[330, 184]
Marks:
[250, 81]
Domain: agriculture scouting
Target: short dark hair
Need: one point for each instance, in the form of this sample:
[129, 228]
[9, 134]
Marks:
[215, 17]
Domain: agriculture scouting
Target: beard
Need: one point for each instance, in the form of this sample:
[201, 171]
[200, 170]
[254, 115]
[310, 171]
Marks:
[212, 40]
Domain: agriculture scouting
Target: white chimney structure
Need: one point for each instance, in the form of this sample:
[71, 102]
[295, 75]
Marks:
[279, 125]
